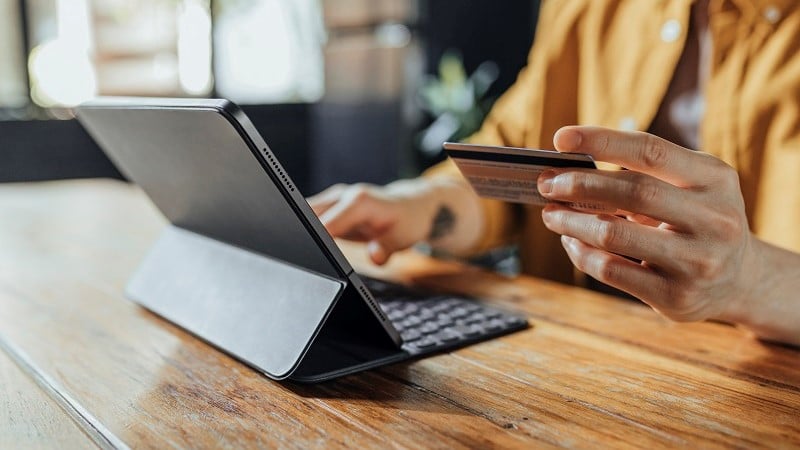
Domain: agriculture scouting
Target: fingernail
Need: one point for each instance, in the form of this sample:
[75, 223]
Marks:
[545, 181]
[376, 252]
[567, 240]
[546, 215]
[567, 139]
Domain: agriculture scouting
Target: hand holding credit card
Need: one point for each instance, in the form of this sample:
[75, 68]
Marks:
[510, 174]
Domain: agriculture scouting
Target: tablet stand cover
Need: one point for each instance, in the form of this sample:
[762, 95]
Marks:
[262, 311]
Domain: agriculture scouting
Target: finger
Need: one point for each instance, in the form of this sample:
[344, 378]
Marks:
[327, 198]
[622, 190]
[364, 232]
[356, 211]
[346, 217]
[614, 270]
[382, 248]
[658, 247]
[639, 151]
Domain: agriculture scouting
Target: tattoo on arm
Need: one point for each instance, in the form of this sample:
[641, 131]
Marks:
[443, 223]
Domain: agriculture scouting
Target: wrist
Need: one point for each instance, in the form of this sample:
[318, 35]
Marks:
[421, 196]
[454, 214]
[742, 307]
[766, 308]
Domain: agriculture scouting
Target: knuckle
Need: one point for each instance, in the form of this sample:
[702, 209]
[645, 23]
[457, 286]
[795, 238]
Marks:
[359, 191]
[729, 176]
[572, 184]
[729, 226]
[724, 223]
[582, 185]
[655, 153]
[720, 173]
[645, 191]
[706, 268]
[608, 271]
[611, 235]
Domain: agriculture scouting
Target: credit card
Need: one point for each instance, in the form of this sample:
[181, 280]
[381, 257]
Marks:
[509, 173]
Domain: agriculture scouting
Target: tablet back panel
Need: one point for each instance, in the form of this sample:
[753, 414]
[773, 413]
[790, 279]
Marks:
[195, 166]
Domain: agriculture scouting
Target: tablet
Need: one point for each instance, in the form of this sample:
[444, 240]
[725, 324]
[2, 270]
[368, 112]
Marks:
[246, 265]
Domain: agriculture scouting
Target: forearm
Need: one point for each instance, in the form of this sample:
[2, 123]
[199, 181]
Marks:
[772, 309]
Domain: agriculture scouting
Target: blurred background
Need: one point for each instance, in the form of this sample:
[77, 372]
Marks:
[342, 90]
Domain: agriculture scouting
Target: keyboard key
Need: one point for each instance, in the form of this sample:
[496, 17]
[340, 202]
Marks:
[411, 335]
[425, 343]
[413, 321]
[447, 336]
[514, 321]
[493, 314]
[429, 328]
[473, 307]
[458, 312]
[426, 314]
[395, 315]
[409, 308]
[494, 325]
[451, 302]
[391, 305]
[439, 308]
[444, 322]
[468, 331]
[475, 318]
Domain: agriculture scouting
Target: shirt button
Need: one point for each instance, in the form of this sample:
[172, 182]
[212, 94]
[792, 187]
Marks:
[772, 14]
[627, 124]
[671, 31]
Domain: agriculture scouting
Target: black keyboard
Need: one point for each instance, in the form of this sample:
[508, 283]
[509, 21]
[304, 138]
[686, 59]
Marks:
[430, 323]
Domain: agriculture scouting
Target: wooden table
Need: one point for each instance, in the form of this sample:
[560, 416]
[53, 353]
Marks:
[82, 366]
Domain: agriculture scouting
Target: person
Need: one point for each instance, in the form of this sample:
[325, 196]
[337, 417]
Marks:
[642, 86]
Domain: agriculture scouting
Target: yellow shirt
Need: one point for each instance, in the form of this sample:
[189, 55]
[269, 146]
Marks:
[609, 63]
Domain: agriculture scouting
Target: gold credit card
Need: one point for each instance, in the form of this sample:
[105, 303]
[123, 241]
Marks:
[510, 174]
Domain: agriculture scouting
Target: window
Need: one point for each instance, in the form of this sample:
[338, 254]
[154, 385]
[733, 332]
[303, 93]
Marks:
[82, 48]
[269, 51]
[13, 85]
[59, 53]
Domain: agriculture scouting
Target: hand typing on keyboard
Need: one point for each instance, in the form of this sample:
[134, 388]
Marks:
[396, 216]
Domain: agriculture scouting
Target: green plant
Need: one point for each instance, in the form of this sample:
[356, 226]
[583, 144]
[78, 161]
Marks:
[455, 101]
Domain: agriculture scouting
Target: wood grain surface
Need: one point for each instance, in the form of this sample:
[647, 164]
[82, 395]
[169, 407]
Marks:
[29, 417]
[593, 371]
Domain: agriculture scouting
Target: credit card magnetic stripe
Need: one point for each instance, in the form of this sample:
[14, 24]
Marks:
[520, 159]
